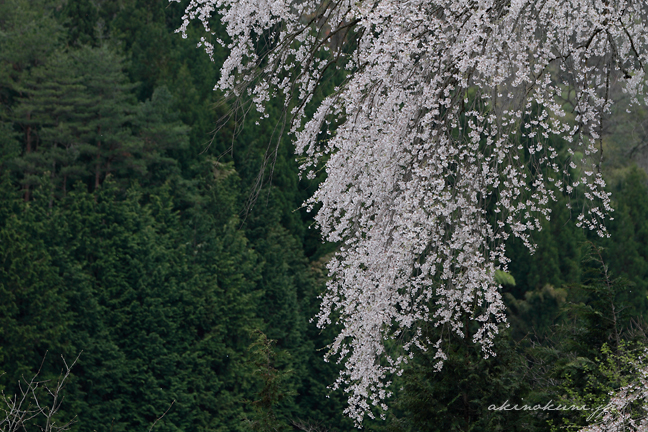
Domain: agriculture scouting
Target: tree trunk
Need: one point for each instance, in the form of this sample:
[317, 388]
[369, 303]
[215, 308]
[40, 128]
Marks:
[28, 149]
[98, 167]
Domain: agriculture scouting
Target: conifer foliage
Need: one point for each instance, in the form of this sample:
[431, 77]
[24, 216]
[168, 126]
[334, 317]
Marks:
[121, 233]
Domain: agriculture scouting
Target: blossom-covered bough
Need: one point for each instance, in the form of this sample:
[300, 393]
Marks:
[440, 142]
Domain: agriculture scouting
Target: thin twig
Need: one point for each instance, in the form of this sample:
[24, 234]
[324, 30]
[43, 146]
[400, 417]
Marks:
[160, 418]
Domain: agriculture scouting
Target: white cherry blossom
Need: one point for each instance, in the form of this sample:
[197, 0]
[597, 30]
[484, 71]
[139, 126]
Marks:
[438, 145]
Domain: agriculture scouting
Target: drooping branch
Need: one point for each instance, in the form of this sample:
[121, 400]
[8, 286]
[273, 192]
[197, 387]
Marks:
[444, 106]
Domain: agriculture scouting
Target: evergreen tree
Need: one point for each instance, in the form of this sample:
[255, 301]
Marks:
[52, 112]
[108, 145]
[158, 318]
[458, 397]
[34, 317]
[626, 251]
[161, 136]
[82, 19]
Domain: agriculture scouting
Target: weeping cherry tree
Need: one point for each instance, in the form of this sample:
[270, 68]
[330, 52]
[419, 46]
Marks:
[439, 143]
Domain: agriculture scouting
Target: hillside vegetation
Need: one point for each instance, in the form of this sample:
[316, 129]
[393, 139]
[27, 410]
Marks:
[136, 234]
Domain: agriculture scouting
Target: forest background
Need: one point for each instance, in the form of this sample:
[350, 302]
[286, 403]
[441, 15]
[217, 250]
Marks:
[128, 235]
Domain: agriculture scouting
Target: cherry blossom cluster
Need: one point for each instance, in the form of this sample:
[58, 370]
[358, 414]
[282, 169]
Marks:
[453, 126]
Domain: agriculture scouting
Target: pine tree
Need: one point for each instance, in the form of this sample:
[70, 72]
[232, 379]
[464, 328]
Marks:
[109, 146]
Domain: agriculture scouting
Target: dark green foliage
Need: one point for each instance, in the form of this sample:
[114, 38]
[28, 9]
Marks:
[574, 346]
[9, 145]
[82, 22]
[34, 317]
[265, 360]
[458, 397]
[161, 311]
[30, 33]
[52, 112]
[626, 251]
[584, 356]
[108, 147]
[161, 134]
[557, 257]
